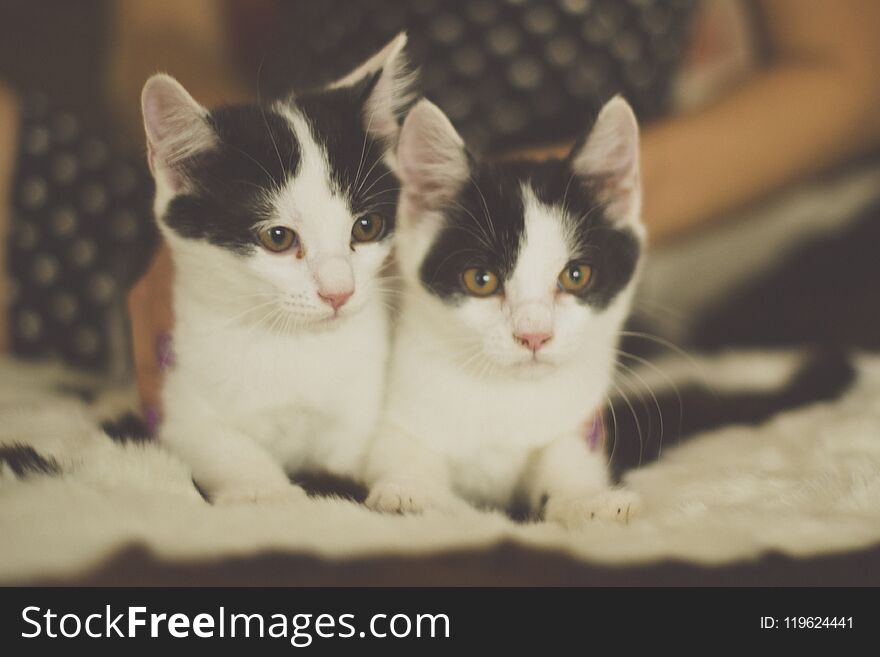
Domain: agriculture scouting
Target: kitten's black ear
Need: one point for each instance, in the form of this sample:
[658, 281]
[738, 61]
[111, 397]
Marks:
[432, 160]
[391, 84]
[177, 127]
[608, 160]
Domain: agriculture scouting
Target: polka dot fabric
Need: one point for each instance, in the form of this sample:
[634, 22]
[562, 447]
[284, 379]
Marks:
[509, 73]
[81, 231]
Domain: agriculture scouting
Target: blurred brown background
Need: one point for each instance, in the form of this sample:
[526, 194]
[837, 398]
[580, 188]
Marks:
[760, 125]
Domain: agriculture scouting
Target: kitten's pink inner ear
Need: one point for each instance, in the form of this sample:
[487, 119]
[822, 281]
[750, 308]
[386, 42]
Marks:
[431, 156]
[609, 159]
[176, 125]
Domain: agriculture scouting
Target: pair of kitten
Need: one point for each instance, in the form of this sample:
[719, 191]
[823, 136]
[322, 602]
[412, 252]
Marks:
[515, 279]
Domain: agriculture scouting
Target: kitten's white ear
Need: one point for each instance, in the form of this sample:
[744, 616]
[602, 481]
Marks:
[392, 93]
[609, 161]
[176, 125]
[432, 160]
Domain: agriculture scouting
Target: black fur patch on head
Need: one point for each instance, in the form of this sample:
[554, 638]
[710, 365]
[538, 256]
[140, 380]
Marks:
[612, 252]
[24, 460]
[258, 152]
[484, 227]
[357, 165]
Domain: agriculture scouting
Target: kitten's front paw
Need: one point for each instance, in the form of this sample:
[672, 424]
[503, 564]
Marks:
[388, 497]
[280, 495]
[619, 505]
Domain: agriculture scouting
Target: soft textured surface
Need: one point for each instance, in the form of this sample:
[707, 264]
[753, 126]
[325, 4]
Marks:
[804, 484]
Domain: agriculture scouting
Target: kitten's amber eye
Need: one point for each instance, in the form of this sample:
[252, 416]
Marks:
[575, 277]
[368, 228]
[480, 282]
[277, 238]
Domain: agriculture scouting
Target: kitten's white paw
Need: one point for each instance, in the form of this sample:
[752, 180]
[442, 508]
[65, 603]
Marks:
[278, 495]
[390, 497]
[619, 505]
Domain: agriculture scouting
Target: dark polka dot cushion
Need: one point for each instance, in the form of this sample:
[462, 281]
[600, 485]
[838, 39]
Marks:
[508, 73]
[81, 231]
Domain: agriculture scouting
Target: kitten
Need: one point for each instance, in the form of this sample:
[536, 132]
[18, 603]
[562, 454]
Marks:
[517, 278]
[278, 218]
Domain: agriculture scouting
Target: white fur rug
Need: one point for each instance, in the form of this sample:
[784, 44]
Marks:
[806, 483]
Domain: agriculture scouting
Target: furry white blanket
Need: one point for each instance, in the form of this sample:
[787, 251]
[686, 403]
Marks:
[805, 483]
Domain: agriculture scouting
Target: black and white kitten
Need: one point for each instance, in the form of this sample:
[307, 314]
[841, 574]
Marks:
[517, 279]
[278, 217]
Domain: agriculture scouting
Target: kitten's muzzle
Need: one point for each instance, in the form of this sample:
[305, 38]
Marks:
[533, 325]
[335, 280]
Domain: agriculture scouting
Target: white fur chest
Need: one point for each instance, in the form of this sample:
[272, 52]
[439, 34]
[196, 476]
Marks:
[487, 429]
[310, 398]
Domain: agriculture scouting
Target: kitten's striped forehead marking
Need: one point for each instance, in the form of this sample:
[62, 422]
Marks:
[312, 193]
[544, 250]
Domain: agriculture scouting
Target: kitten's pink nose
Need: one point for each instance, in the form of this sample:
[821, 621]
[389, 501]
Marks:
[336, 299]
[533, 341]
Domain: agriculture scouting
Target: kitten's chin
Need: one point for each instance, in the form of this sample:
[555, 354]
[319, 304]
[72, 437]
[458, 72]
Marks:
[526, 367]
[534, 367]
[314, 318]
[330, 321]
